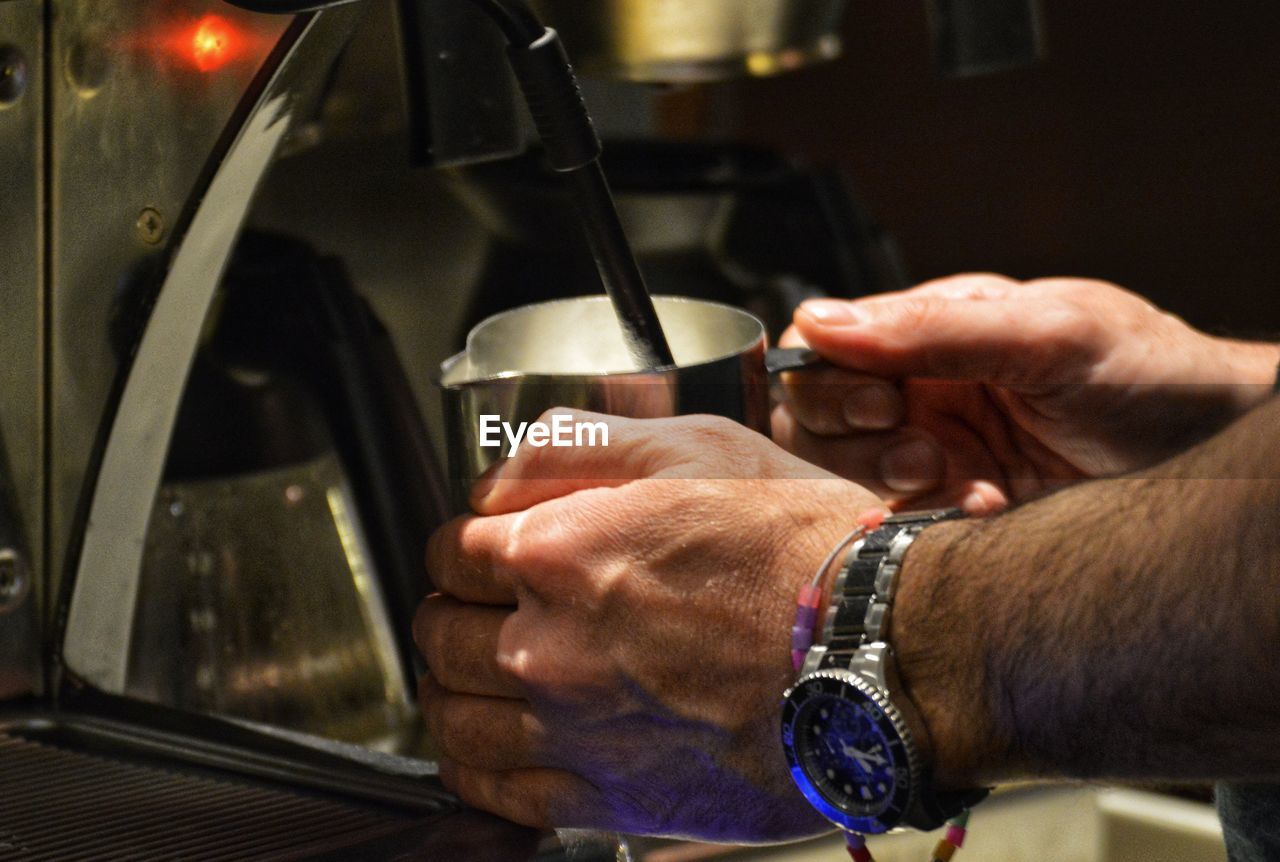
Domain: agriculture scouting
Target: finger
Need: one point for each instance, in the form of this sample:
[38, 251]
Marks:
[832, 401]
[972, 285]
[483, 732]
[632, 449]
[460, 645]
[908, 461]
[792, 338]
[513, 559]
[977, 499]
[980, 499]
[1034, 338]
[467, 558]
[541, 798]
[601, 452]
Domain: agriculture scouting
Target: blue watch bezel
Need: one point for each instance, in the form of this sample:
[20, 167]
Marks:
[849, 686]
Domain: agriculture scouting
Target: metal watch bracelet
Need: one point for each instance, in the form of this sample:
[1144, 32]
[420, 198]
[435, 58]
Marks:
[863, 593]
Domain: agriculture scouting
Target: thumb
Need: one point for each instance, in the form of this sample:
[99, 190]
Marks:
[576, 450]
[1028, 339]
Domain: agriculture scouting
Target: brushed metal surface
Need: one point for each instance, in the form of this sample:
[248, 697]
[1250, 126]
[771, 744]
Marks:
[259, 600]
[571, 353]
[133, 119]
[104, 602]
[21, 344]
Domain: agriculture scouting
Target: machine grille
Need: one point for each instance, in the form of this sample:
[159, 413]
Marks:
[62, 806]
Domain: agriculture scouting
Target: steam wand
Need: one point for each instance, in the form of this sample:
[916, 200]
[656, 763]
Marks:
[546, 77]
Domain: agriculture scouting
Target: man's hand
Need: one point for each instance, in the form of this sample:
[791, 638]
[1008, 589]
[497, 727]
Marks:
[979, 389]
[610, 642]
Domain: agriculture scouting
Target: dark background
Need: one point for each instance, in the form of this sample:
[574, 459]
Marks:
[1143, 150]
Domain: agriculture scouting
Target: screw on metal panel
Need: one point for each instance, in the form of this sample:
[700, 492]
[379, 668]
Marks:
[13, 75]
[13, 579]
[150, 226]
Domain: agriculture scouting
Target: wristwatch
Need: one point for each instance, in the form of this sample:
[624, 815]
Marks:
[849, 732]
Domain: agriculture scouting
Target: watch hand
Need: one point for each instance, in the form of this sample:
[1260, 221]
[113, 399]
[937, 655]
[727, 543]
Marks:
[863, 757]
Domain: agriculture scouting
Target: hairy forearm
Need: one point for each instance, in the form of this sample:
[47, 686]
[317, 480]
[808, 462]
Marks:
[1122, 628]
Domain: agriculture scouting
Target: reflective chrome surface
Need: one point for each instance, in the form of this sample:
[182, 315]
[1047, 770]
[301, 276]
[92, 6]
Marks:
[570, 353]
[21, 342]
[134, 114]
[695, 40]
[104, 602]
[258, 600]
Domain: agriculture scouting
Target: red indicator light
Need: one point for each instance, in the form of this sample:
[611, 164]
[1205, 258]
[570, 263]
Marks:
[213, 43]
[206, 44]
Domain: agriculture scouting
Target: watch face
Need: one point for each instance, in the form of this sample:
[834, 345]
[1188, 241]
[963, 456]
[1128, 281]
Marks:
[846, 751]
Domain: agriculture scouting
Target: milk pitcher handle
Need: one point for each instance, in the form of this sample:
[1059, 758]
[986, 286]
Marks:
[780, 359]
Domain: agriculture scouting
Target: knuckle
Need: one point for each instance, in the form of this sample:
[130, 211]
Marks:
[522, 547]
[1072, 331]
[526, 668]
[541, 549]
[984, 285]
[538, 670]
[476, 545]
[714, 430]
[916, 313]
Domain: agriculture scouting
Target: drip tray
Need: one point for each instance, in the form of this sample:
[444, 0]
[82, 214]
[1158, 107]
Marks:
[87, 788]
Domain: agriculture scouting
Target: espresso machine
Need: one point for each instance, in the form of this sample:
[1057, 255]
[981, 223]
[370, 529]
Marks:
[237, 238]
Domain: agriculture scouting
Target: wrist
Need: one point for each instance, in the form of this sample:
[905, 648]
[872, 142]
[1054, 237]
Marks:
[941, 645]
[1253, 366]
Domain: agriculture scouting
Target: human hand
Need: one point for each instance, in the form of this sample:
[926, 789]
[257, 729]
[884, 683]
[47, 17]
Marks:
[978, 389]
[610, 643]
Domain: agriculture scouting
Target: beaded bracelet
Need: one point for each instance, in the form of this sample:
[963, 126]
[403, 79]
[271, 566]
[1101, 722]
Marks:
[811, 594]
[946, 848]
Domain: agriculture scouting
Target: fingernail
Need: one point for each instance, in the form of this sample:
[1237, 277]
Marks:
[982, 500]
[483, 486]
[873, 407]
[832, 312]
[912, 466]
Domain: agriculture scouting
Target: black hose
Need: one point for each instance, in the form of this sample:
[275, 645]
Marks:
[618, 268]
[551, 90]
[517, 21]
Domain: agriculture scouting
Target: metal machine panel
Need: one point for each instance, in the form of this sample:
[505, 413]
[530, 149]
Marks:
[144, 90]
[21, 344]
[99, 623]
